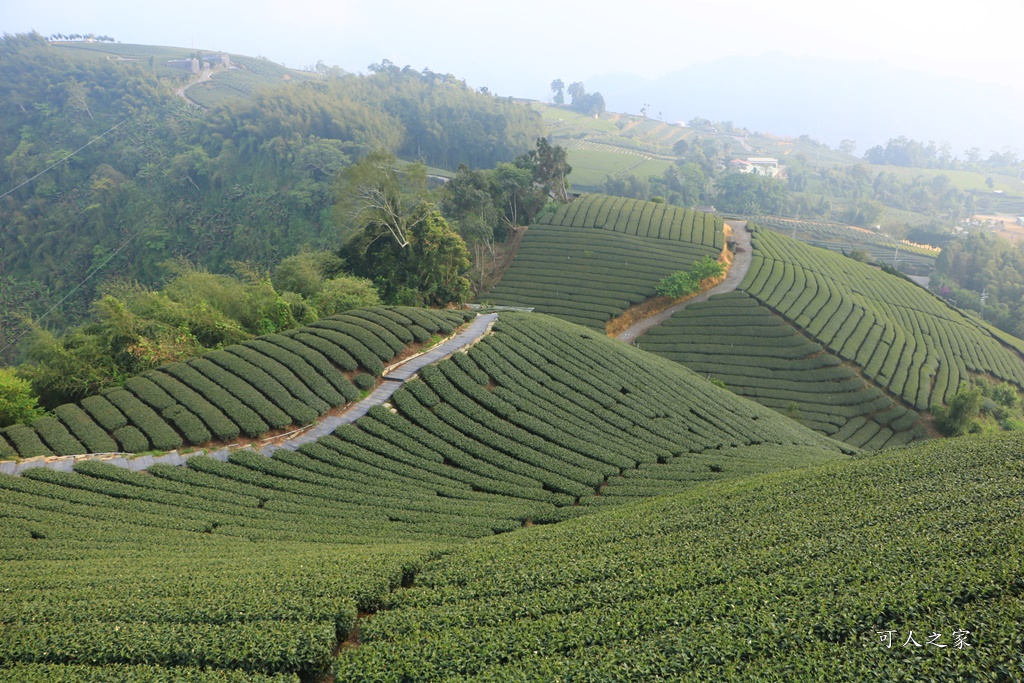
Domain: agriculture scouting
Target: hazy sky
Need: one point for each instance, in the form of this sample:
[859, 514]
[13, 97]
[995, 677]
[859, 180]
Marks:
[517, 48]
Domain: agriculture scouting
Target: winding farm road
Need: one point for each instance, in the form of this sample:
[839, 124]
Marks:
[738, 271]
[180, 92]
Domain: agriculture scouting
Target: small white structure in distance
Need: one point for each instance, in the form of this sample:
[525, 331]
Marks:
[766, 166]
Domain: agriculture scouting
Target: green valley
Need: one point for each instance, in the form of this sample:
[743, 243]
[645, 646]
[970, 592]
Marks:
[311, 376]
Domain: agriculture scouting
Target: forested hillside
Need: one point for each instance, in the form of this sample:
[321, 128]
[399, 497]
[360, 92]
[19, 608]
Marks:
[154, 177]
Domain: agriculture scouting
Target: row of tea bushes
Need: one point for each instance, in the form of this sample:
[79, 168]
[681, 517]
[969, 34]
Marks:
[246, 389]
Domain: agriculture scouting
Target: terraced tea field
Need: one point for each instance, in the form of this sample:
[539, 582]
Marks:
[733, 338]
[600, 255]
[593, 162]
[901, 567]
[913, 260]
[842, 347]
[257, 568]
[851, 351]
[246, 390]
[906, 340]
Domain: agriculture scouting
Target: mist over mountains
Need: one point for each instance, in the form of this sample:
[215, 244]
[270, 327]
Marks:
[869, 102]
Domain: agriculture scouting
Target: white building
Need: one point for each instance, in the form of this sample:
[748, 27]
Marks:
[766, 166]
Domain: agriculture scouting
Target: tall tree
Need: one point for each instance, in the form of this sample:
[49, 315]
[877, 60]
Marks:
[468, 203]
[377, 198]
[550, 166]
[557, 86]
[429, 270]
[576, 91]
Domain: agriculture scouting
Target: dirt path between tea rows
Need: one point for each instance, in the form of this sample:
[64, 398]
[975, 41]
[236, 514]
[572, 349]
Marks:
[738, 271]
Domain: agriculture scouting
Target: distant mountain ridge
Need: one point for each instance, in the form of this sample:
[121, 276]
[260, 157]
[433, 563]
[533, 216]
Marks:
[869, 101]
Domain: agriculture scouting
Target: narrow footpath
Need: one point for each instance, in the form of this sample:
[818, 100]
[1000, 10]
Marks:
[738, 271]
[391, 382]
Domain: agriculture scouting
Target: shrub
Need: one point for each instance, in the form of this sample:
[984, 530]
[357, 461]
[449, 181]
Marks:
[7, 451]
[344, 293]
[159, 433]
[353, 348]
[17, 402]
[371, 341]
[318, 362]
[678, 284]
[57, 437]
[189, 425]
[104, 412]
[26, 441]
[293, 372]
[93, 437]
[682, 282]
[131, 439]
[258, 390]
[248, 421]
[149, 393]
[219, 424]
[333, 352]
[958, 416]
[364, 381]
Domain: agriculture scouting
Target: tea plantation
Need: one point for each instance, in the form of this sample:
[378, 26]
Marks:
[848, 350]
[600, 255]
[757, 354]
[246, 389]
[903, 338]
[880, 248]
[842, 347]
[901, 567]
[260, 567]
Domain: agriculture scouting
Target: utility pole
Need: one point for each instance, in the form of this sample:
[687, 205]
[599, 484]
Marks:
[984, 295]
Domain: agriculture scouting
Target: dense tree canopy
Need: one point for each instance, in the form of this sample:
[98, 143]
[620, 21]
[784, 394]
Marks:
[981, 263]
[252, 179]
[750, 193]
[134, 328]
[428, 270]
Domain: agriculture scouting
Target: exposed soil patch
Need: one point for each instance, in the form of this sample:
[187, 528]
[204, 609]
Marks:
[504, 254]
[636, 320]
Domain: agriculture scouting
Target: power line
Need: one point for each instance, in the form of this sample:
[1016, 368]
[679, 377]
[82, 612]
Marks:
[96, 270]
[58, 163]
[68, 295]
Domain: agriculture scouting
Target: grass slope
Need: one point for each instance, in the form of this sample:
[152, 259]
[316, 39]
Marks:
[261, 565]
[599, 255]
[787, 577]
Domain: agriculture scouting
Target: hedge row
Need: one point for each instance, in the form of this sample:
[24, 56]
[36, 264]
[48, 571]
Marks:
[757, 354]
[904, 338]
[266, 383]
[220, 426]
[587, 274]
